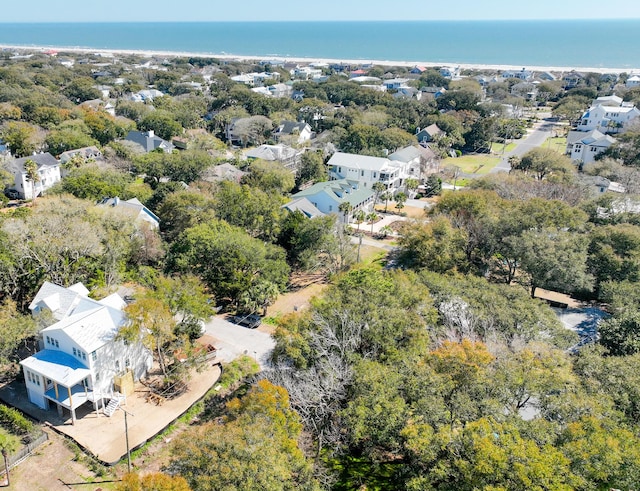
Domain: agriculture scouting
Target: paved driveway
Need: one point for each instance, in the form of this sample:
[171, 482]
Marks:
[232, 341]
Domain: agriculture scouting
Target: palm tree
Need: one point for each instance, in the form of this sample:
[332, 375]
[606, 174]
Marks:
[386, 197]
[371, 217]
[345, 207]
[411, 184]
[360, 216]
[8, 445]
[31, 170]
[379, 188]
[400, 199]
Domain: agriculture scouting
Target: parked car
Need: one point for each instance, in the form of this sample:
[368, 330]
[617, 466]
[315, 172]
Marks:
[251, 321]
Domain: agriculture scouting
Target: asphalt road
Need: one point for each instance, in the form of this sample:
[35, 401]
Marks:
[233, 341]
[541, 131]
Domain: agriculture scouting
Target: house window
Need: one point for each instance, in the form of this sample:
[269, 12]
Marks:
[330, 207]
[127, 362]
[361, 173]
[97, 376]
[56, 342]
[117, 365]
[48, 340]
[94, 356]
[375, 175]
[75, 353]
[84, 356]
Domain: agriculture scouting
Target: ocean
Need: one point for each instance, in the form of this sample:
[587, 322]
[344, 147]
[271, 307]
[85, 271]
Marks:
[572, 44]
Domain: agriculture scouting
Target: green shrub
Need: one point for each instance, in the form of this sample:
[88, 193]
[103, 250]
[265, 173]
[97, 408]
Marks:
[14, 421]
[237, 370]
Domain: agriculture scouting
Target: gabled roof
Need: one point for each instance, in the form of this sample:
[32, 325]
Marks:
[290, 127]
[148, 140]
[271, 152]
[134, 207]
[342, 190]
[304, 206]
[43, 161]
[363, 162]
[90, 329]
[594, 138]
[58, 299]
[407, 154]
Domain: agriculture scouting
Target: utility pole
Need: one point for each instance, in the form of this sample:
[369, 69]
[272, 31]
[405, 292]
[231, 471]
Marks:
[126, 436]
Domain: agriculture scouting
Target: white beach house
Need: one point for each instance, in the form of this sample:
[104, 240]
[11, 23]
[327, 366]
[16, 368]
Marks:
[80, 355]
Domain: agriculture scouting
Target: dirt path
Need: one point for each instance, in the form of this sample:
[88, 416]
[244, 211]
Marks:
[53, 467]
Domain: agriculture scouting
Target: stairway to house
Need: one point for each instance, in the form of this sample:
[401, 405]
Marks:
[114, 404]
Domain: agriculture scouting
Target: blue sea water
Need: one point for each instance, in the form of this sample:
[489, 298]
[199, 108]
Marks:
[573, 44]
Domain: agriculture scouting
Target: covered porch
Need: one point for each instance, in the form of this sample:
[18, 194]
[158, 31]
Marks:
[66, 382]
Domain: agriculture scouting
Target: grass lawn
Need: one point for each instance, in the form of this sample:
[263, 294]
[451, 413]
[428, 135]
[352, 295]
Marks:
[557, 144]
[480, 163]
[499, 148]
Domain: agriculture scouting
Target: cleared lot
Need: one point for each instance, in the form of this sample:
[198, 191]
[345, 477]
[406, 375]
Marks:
[232, 341]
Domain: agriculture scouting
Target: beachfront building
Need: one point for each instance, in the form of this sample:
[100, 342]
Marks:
[368, 170]
[81, 356]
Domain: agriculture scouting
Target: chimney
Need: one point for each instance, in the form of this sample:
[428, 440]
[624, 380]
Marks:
[150, 134]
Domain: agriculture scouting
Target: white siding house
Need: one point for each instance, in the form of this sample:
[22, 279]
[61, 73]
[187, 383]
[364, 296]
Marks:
[48, 174]
[369, 170]
[608, 119]
[583, 147]
[80, 355]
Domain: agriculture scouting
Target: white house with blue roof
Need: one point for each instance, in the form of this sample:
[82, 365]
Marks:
[80, 354]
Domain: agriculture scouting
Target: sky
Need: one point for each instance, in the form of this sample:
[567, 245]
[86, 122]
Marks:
[301, 10]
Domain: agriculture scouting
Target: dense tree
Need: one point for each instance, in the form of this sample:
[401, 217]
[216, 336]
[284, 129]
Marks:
[82, 89]
[64, 241]
[162, 123]
[554, 260]
[94, 184]
[59, 141]
[152, 482]
[14, 328]
[183, 209]
[258, 212]
[270, 177]
[227, 259]
[255, 447]
[19, 137]
[543, 163]
[435, 245]
[312, 168]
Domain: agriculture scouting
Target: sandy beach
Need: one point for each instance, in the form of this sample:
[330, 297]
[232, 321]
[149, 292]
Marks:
[302, 60]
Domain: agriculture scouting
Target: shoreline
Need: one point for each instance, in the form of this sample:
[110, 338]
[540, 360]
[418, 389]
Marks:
[308, 60]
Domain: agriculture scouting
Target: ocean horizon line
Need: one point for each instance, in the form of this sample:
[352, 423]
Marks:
[558, 43]
[302, 59]
[327, 21]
